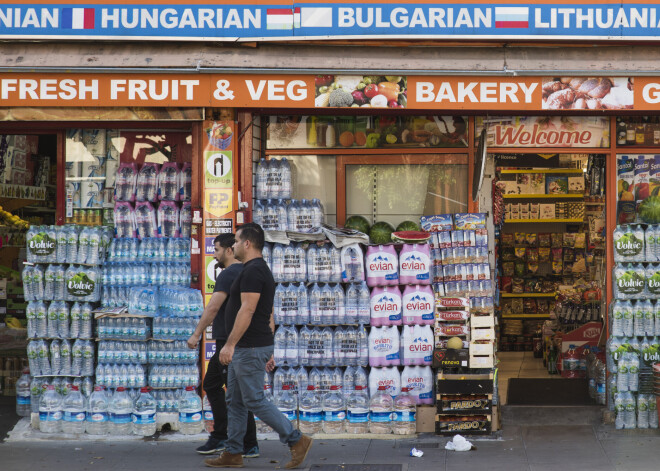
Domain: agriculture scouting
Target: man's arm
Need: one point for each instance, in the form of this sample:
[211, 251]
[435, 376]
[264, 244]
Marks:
[210, 311]
[243, 318]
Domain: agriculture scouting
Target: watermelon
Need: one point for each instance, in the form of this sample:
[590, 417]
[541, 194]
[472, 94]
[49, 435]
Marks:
[411, 237]
[381, 232]
[408, 226]
[357, 223]
[649, 210]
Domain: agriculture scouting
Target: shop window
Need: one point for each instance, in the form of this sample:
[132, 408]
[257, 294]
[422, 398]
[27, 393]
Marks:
[94, 156]
[638, 131]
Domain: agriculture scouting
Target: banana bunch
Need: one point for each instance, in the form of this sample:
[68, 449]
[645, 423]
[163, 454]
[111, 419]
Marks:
[13, 323]
[7, 218]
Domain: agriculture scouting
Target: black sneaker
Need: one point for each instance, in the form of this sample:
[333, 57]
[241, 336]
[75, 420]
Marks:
[212, 445]
[252, 452]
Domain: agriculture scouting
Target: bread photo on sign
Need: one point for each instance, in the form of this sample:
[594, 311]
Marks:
[587, 93]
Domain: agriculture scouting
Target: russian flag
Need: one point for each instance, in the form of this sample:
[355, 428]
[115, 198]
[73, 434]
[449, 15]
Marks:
[282, 18]
[78, 18]
[511, 17]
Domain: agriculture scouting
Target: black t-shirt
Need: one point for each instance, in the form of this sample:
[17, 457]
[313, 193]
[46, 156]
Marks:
[254, 278]
[223, 283]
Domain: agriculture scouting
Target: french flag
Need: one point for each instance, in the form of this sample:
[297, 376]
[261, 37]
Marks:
[511, 17]
[78, 18]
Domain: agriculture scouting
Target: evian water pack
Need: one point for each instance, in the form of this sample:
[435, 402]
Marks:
[420, 381]
[415, 264]
[388, 377]
[382, 266]
[417, 305]
[386, 306]
[384, 346]
[416, 345]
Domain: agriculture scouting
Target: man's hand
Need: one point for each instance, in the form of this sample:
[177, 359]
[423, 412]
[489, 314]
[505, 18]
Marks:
[226, 354]
[193, 341]
[270, 364]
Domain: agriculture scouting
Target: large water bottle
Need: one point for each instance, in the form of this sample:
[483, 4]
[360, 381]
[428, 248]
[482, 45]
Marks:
[53, 320]
[74, 409]
[262, 180]
[335, 264]
[327, 358]
[94, 244]
[317, 213]
[653, 412]
[37, 289]
[74, 315]
[55, 359]
[649, 317]
[63, 325]
[327, 305]
[380, 411]
[620, 410]
[49, 283]
[629, 415]
[357, 411]
[312, 263]
[311, 414]
[60, 285]
[83, 245]
[86, 321]
[334, 411]
[293, 211]
[285, 179]
[279, 348]
[628, 316]
[97, 421]
[273, 178]
[405, 408]
[60, 251]
[44, 358]
[72, 245]
[190, 412]
[120, 409]
[364, 304]
[304, 344]
[639, 322]
[315, 312]
[23, 394]
[65, 357]
[50, 411]
[339, 346]
[363, 346]
[302, 312]
[287, 403]
[278, 263]
[144, 414]
[300, 263]
[633, 372]
[291, 346]
[643, 410]
[281, 215]
[340, 304]
[351, 304]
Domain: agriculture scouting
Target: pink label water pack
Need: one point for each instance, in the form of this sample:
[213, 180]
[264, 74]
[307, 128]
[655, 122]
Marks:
[385, 306]
[382, 266]
[420, 380]
[416, 345]
[384, 346]
[417, 305]
[388, 377]
[415, 264]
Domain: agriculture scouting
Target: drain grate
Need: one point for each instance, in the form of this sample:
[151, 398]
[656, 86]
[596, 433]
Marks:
[356, 467]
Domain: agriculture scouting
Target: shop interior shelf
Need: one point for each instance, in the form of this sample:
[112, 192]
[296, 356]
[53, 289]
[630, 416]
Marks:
[515, 221]
[544, 170]
[539, 196]
[525, 316]
[528, 295]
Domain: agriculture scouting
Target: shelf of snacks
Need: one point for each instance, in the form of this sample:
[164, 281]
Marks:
[518, 221]
[528, 295]
[542, 196]
[544, 170]
[526, 316]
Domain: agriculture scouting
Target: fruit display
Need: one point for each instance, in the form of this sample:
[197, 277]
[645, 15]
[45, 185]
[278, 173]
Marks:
[381, 233]
[358, 91]
[11, 220]
[411, 237]
[408, 226]
[358, 223]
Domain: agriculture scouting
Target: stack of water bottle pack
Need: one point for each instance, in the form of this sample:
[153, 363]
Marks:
[153, 201]
[61, 300]
[147, 262]
[634, 346]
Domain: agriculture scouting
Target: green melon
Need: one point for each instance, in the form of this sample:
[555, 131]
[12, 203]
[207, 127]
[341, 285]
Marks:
[381, 233]
[408, 226]
[357, 223]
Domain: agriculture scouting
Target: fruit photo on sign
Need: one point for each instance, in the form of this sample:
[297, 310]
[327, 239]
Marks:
[360, 91]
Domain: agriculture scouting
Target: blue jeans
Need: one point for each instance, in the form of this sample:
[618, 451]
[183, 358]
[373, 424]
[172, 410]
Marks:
[245, 391]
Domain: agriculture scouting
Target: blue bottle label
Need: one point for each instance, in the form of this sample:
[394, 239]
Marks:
[404, 416]
[23, 400]
[334, 416]
[306, 416]
[289, 414]
[97, 417]
[74, 416]
[381, 416]
[357, 417]
[120, 418]
[140, 419]
[50, 416]
[190, 417]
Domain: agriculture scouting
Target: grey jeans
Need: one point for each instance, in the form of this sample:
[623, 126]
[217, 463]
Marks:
[245, 391]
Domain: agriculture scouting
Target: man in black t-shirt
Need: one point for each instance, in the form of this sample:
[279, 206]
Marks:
[216, 375]
[249, 347]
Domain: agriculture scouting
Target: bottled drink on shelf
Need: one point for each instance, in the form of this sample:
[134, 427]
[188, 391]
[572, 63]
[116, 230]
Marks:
[311, 415]
[405, 408]
[74, 409]
[334, 411]
[50, 411]
[120, 409]
[357, 411]
[144, 414]
[190, 412]
[23, 394]
[380, 411]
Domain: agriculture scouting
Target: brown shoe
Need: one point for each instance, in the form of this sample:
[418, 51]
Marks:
[299, 451]
[226, 460]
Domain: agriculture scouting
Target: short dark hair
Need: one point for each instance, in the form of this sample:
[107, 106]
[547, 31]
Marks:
[254, 233]
[225, 240]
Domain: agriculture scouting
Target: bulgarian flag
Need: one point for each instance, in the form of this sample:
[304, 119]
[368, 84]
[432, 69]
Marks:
[511, 17]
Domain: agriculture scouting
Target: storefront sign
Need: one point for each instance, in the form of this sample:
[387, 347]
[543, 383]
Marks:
[218, 166]
[209, 246]
[183, 92]
[271, 20]
[546, 131]
[218, 226]
[212, 270]
[209, 350]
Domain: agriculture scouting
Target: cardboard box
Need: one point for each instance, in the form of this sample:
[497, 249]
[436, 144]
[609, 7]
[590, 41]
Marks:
[450, 358]
[547, 211]
[587, 335]
[461, 404]
[425, 419]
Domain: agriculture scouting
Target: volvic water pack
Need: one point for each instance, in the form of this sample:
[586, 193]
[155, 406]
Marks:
[629, 281]
[415, 264]
[386, 306]
[629, 243]
[417, 305]
[382, 266]
[384, 346]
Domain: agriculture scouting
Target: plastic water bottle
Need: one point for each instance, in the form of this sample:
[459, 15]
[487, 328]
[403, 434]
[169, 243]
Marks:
[639, 322]
[363, 346]
[60, 251]
[50, 411]
[190, 412]
[273, 179]
[334, 411]
[302, 317]
[52, 320]
[315, 313]
[627, 308]
[380, 411]
[279, 347]
[340, 304]
[291, 346]
[281, 215]
[285, 178]
[405, 408]
[649, 317]
[60, 285]
[326, 342]
[351, 304]
[120, 409]
[312, 263]
[63, 325]
[311, 414]
[94, 243]
[287, 403]
[74, 315]
[55, 359]
[83, 245]
[629, 416]
[643, 410]
[357, 411]
[44, 358]
[86, 321]
[633, 372]
[23, 394]
[278, 263]
[144, 414]
[74, 407]
[620, 409]
[653, 412]
[262, 180]
[364, 304]
[49, 283]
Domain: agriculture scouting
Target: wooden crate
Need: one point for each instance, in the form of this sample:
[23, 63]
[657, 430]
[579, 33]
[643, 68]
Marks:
[464, 425]
[460, 404]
